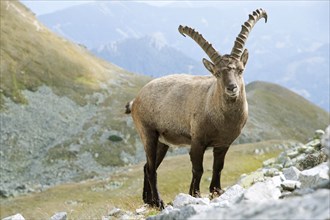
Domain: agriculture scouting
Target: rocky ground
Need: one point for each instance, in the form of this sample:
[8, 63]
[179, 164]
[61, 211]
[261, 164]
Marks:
[295, 185]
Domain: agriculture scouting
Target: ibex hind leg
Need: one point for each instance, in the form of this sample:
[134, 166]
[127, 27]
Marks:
[150, 175]
[161, 152]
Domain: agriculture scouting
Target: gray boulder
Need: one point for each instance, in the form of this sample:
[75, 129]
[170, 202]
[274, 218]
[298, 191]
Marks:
[262, 191]
[310, 206]
[232, 195]
[290, 185]
[59, 216]
[291, 173]
[182, 213]
[185, 199]
[315, 176]
[14, 217]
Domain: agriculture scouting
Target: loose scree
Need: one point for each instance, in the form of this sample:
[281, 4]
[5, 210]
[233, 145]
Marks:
[200, 111]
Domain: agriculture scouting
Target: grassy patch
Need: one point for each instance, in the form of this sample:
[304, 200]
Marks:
[281, 114]
[60, 152]
[82, 201]
[105, 155]
[31, 57]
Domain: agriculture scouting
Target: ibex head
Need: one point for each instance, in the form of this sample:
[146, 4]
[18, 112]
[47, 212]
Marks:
[228, 69]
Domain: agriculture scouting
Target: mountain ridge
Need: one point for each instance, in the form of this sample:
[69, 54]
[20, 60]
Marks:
[152, 56]
[282, 52]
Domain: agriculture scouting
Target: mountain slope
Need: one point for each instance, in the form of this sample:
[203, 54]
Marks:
[278, 113]
[61, 108]
[31, 56]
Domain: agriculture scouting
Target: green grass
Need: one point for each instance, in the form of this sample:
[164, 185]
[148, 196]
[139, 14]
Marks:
[282, 114]
[30, 58]
[80, 201]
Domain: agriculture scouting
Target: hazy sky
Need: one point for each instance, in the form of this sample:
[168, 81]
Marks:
[44, 7]
[48, 6]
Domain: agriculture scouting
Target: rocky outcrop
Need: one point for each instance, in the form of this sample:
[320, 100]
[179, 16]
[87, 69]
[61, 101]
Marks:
[295, 185]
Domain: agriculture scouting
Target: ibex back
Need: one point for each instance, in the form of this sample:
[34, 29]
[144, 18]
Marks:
[200, 111]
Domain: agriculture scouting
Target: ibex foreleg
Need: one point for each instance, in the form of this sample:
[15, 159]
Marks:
[196, 157]
[219, 154]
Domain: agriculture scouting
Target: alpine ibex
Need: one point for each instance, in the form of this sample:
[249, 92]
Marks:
[201, 111]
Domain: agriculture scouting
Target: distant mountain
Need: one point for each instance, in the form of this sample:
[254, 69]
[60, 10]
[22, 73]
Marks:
[290, 42]
[148, 55]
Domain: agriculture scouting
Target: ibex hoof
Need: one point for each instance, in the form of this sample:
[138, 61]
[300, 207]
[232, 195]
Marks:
[156, 204]
[216, 193]
[197, 194]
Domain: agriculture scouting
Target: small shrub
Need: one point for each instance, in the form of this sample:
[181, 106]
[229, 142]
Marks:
[115, 138]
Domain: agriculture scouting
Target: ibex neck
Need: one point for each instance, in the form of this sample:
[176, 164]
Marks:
[224, 106]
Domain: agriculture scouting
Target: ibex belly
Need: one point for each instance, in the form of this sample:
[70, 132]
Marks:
[170, 138]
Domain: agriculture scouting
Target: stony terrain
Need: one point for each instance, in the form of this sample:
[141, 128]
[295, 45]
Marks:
[294, 185]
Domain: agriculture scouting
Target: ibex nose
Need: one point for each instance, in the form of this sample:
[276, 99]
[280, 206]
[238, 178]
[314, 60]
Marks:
[232, 87]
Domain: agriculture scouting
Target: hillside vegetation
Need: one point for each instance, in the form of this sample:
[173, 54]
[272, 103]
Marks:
[60, 106]
[32, 56]
[278, 113]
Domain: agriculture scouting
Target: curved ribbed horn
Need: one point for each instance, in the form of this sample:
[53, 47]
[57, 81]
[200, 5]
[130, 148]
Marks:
[238, 48]
[204, 44]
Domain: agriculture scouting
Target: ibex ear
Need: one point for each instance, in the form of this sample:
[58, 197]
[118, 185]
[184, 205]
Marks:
[208, 65]
[245, 56]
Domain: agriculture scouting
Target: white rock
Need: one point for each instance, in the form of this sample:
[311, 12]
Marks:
[114, 211]
[277, 180]
[232, 195]
[314, 143]
[168, 209]
[15, 217]
[326, 141]
[293, 154]
[59, 216]
[142, 209]
[252, 178]
[310, 206]
[290, 185]
[184, 199]
[183, 212]
[314, 176]
[262, 191]
[270, 172]
[268, 162]
[318, 133]
[291, 173]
